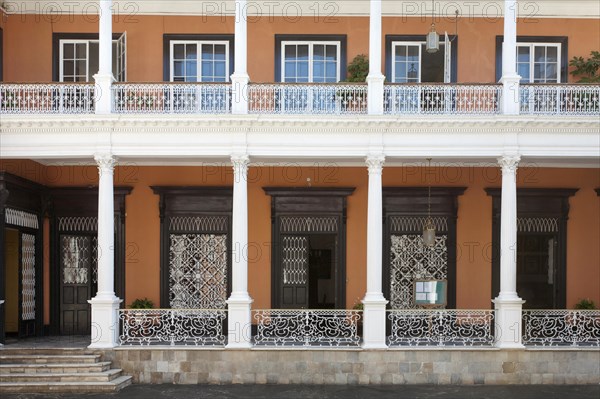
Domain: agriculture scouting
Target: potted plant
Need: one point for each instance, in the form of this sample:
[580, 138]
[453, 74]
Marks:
[138, 322]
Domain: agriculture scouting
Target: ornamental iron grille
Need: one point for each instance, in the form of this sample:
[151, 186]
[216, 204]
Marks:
[307, 327]
[295, 260]
[308, 224]
[198, 271]
[537, 225]
[411, 260]
[441, 327]
[21, 218]
[28, 276]
[561, 328]
[172, 326]
[77, 259]
[83, 224]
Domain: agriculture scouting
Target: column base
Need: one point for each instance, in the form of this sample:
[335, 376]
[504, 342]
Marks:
[508, 333]
[105, 321]
[239, 321]
[511, 102]
[374, 321]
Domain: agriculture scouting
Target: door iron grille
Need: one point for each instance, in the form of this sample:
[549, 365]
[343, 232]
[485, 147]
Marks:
[28, 276]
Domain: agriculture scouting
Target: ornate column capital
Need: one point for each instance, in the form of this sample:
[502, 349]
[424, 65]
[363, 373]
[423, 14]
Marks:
[375, 163]
[240, 160]
[106, 163]
[509, 163]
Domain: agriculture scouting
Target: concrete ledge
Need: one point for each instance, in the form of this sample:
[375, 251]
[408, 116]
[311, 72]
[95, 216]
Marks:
[153, 365]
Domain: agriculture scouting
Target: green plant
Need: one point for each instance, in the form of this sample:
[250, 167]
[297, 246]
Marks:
[587, 69]
[585, 304]
[142, 304]
[358, 305]
[358, 69]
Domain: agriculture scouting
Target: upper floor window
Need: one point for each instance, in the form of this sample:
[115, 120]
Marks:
[310, 58]
[538, 62]
[540, 59]
[311, 62]
[409, 62]
[199, 61]
[198, 58]
[79, 58]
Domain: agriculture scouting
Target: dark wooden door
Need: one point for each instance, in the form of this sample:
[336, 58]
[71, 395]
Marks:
[76, 283]
[294, 271]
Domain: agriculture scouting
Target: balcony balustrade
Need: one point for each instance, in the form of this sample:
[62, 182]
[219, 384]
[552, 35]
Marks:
[299, 99]
[552, 328]
[172, 327]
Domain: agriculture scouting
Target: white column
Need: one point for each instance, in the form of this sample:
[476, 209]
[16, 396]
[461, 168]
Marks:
[375, 79]
[239, 302]
[510, 79]
[104, 78]
[508, 304]
[240, 78]
[374, 303]
[105, 305]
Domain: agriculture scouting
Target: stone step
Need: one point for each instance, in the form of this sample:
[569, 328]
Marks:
[105, 376]
[55, 368]
[73, 387]
[47, 359]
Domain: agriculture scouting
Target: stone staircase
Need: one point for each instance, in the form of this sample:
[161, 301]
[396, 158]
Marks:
[57, 370]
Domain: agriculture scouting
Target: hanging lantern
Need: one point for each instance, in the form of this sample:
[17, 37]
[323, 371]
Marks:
[433, 40]
[428, 226]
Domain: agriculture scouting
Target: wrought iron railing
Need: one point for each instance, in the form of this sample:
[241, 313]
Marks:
[323, 328]
[172, 327]
[286, 98]
[561, 327]
[176, 98]
[440, 327]
[560, 99]
[451, 99]
[46, 98]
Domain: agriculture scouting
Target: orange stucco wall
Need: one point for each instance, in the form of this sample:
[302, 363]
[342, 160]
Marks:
[474, 228]
[476, 44]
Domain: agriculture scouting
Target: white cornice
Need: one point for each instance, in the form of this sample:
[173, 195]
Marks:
[191, 139]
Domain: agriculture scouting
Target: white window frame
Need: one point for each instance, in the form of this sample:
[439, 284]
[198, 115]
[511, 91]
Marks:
[532, 46]
[121, 51]
[199, 44]
[311, 45]
[445, 43]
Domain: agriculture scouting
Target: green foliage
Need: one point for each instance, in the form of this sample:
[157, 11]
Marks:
[585, 304]
[588, 70]
[358, 69]
[142, 304]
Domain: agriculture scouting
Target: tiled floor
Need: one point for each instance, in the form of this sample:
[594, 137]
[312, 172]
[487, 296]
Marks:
[71, 341]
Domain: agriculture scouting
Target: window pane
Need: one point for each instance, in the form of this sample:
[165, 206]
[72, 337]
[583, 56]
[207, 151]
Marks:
[523, 71]
[290, 70]
[318, 69]
[303, 70]
[220, 69]
[178, 68]
[207, 69]
[191, 52]
[303, 53]
[191, 69]
[413, 53]
[94, 65]
[551, 54]
[191, 78]
[207, 52]
[68, 51]
[523, 54]
[538, 73]
[81, 50]
[80, 68]
[220, 52]
[540, 54]
[331, 71]
[319, 52]
[401, 53]
[400, 72]
[68, 68]
[179, 51]
[331, 53]
[290, 52]
[551, 71]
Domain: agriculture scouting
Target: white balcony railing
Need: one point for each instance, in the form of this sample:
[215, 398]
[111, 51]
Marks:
[46, 98]
[311, 99]
[175, 98]
[561, 327]
[440, 327]
[172, 327]
[560, 99]
[323, 328]
[449, 99]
